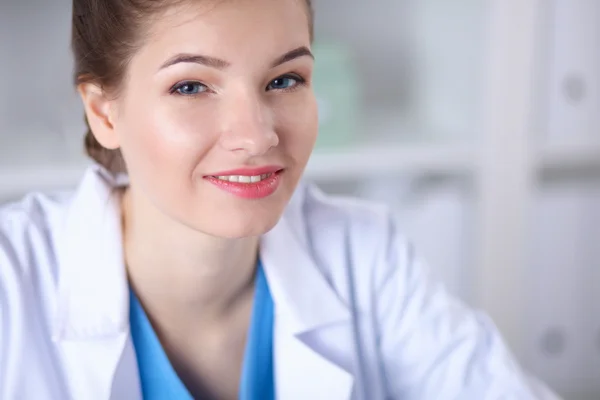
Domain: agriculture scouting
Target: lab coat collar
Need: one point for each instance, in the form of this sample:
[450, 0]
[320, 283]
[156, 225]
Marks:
[93, 289]
[304, 302]
[303, 297]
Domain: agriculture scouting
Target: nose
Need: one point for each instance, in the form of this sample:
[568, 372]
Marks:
[247, 125]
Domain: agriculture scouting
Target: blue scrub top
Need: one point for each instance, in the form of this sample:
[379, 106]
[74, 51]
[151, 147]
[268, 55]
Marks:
[158, 378]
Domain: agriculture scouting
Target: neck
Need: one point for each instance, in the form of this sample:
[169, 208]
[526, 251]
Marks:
[174, 267]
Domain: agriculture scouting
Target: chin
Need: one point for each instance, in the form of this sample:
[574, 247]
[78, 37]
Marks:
[244, 226]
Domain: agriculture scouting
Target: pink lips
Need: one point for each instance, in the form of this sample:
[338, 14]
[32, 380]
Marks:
[248, 190]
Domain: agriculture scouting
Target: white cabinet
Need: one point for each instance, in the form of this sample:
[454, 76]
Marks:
[563, 288]
[573, 65]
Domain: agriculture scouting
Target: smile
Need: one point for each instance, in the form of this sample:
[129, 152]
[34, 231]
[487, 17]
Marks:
[254, 183]
[243, 178]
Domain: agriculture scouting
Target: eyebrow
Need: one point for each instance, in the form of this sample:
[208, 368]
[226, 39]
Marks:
[302, 51]
[218, 63]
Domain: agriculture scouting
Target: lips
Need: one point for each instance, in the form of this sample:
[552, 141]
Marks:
[248, 183]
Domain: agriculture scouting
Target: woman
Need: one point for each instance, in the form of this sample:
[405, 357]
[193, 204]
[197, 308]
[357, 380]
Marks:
[188, 264]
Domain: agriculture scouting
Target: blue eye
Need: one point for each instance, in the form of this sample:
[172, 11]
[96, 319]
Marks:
[189, 88]
[285, 82]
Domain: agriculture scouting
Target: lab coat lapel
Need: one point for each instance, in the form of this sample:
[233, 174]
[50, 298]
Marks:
[304, 302]
[91, 323]
[303, 373]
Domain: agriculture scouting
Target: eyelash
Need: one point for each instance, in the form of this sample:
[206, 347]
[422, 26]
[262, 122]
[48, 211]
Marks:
[300, 81]
[175, 89]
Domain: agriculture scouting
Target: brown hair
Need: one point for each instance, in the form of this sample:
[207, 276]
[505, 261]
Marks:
[105, 35]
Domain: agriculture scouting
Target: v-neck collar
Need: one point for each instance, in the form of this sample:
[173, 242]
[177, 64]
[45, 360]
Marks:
[158, 378]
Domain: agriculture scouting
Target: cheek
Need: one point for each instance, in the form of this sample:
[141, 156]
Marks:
[165, 135]
[298, 122]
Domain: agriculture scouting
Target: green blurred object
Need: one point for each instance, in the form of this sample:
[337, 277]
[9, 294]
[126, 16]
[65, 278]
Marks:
[336, 85]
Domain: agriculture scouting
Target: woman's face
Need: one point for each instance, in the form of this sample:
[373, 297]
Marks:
[217, 117]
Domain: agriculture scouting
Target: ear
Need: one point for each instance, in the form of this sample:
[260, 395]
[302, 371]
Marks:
[99, 111]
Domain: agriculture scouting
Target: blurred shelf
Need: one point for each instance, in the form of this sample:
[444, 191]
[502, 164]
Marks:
[373, 160]
[575, 155]
[16, 181]
[31, 161]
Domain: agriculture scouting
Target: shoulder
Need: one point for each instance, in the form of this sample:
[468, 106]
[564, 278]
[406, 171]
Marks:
[28, 237]
[345, 232]
[352, 216]
[28, 227]
[28, 282]
[343, 212]
[423, 333]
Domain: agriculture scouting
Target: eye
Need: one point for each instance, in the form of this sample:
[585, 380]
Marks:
[189, 88]
[285, 82]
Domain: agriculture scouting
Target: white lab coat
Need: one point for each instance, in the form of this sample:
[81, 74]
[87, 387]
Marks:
[357, 315]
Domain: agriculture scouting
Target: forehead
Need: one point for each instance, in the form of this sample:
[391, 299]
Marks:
[229, 29]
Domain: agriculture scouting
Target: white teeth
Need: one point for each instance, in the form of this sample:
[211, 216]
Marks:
[244, 178]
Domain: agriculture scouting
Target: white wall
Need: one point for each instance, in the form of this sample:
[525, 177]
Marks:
[41, 118]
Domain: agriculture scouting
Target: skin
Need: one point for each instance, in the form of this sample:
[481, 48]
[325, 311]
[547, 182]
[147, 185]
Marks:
[191, 248]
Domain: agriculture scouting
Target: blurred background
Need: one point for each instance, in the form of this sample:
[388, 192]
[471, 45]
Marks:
[477, 121]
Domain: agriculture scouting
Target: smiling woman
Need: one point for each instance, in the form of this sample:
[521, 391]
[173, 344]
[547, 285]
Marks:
[190, 263]
[197, 97]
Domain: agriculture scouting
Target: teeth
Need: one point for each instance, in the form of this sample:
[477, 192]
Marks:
[243, 178]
